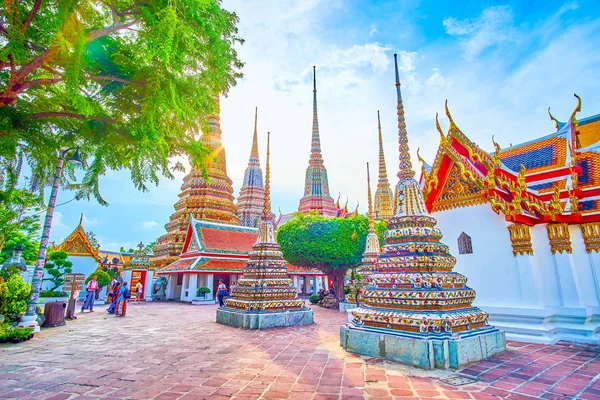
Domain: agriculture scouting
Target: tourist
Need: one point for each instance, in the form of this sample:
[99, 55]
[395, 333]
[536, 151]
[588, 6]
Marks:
[231, 289]
[111, 287]
[124, 296]
[75, 289]
[92, 286]
[138, 291]
[115, 298]
[221, 292]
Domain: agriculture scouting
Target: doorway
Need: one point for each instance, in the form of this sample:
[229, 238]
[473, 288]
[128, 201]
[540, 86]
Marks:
[138, 276]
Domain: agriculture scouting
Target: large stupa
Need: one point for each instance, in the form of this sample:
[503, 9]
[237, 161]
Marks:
[414, 309]
[265, 296]
[384, 198]
[209, 200]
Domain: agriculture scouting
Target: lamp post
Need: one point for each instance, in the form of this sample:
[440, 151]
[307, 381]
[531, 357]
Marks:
[30, 318]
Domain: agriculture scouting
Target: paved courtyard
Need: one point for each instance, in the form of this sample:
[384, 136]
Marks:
[177, 351]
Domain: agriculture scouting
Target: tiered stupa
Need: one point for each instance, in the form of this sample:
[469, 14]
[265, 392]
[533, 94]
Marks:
[265, 297]
[384, 198]
[415, 310]
[210, 200]
[372, 248]
[316, 187]
[252, 194]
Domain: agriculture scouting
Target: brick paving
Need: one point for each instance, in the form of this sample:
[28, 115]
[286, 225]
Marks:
[177, 351]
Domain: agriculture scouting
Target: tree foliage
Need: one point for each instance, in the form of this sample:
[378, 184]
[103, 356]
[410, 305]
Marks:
[56, 267]
[128, 81]
[31, 246]
[332, 245]
[103, 278]
[14, 293]
[92, 238]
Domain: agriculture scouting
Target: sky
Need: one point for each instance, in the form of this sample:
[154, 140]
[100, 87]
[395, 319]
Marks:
[500, 65]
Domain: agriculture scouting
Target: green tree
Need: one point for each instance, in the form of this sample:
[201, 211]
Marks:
[14, 293]
[31, 247]
[128, 81]
[149, 248]
[103, 279]
[92, 238]
[333, 245]
[57, 266]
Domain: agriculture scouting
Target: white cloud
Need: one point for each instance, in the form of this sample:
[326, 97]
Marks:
[373, 30]
[149, 224]
[58, 221]
[90, 222]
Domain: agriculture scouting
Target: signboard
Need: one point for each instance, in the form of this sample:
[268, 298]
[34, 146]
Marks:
[70, 278]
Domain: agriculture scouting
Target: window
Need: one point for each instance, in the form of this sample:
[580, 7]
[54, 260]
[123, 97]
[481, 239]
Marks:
[464, 244]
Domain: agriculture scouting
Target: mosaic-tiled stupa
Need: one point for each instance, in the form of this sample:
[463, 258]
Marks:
[384, 198]
[265, 296]
[209, 200]
[414, 309]
[316, 186]
[372, 248]
[252, 194]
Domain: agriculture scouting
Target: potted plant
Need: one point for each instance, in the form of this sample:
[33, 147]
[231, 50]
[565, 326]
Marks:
[313, 298]
[203, 290]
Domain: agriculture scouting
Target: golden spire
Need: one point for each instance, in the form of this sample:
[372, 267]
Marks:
[267, 207]
[371, 216]
[552, 118]
[443, 139]
[382, 169]
[405, 166]
[452, 124]
[254, 152]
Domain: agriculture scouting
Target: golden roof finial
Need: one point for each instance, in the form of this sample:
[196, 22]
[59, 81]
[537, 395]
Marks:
[254, 152]
[552, 118]
[81, 219]
[576, 143]
[452, 124]
[496, 156]
[337, 203]
[267, 207]
[443, 139]
[369, 200]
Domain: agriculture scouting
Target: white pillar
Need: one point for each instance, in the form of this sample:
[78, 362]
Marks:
[184, 287]
[148, 285]
[296, 282]
[193, 286]
[584, 271]
[171, 283]
[210, 281]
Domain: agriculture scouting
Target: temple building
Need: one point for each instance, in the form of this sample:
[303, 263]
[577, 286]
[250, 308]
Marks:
[252, 194]
[264, 297]
[210, 200]
[525, 223]
[415, 310]
[316, 188]
[384, 198]
[139, 268]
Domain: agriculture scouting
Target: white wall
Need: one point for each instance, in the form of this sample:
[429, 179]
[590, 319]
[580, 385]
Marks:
[82, 265]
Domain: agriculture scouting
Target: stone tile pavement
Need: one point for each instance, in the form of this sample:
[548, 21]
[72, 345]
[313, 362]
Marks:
[177, 351]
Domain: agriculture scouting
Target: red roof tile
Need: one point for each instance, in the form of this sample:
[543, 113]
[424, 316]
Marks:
[222, 265]
[227, 241]
[179, 265]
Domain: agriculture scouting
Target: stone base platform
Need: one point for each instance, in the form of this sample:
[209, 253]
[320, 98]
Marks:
[442, 353]
[264, 320]
[345, 306]
[203, 302]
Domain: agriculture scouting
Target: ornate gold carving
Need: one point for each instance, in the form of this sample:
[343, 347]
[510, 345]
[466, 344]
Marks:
[457, 192]
[520, 238]
[559, 237]
[78, 244]
[591, 236]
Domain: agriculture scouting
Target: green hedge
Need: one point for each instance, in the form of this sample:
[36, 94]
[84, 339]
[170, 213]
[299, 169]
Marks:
[53, 293]
[314, 298]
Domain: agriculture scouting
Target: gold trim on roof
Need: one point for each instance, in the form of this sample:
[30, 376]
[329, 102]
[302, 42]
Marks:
[559, 237]
[520, 238]
[591, 236]
[78, 244]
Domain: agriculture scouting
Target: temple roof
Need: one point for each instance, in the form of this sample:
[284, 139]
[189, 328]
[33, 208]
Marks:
[78, 243]
[552, 178]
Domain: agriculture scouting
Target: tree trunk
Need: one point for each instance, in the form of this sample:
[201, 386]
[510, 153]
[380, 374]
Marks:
[337, 276]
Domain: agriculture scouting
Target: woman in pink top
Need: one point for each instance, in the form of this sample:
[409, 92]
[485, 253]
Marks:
[91, 287]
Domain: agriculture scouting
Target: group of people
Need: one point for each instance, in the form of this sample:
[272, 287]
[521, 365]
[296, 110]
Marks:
[223, 292]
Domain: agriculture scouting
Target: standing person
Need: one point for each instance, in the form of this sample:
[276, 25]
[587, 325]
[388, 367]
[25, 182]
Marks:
[138, 291]
[231, 289]
[115, 298]
[124, 296]
[75, 289]
[111, 288]
[90, 296]
[221, 292]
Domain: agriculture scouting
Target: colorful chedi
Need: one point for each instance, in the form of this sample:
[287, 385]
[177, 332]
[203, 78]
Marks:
[384, 198]
[316, 187]
[252, 194]
[372, 248]
[210, 200]
[415, 309]
[265, 296]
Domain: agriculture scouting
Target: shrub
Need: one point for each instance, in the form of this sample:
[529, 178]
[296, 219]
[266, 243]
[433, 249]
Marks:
[103, 278]
[52, 293]
[14, 294]
[314, 298]
[57, 266]
[202, 291]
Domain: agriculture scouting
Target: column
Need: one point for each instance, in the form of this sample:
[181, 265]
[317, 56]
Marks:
[148, 285]
[193, 286]
[184, 286]
[172, 282]
[210, 281]
[296, 282]
[585, 273]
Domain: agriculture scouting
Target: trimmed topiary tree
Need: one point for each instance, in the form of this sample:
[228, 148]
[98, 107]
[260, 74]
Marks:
[102, 278]
[203, 290]
[333, 245]
[56, 267]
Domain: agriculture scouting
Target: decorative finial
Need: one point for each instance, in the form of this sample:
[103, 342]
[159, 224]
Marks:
[452, 124]
[140, 245]
[552, 118]
[405, 166]
[254, 152]
[369, 200]
[81, 219]
[382, 167]
[267, 208]
[314, 78]
[575, 138]
[443, 139]
[356, 209]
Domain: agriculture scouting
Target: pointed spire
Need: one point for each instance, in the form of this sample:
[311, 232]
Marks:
[267, 215]
[382, 169]
[254, 152]
[369, 200]
[556, 123]
[315, 148]
[405, 166]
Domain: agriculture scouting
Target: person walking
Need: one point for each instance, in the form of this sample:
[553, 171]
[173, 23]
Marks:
[138, 291]
[231, 289]
[124, 296]
[75, 289]
[221, 292]
[115, 298]
[90, 296]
